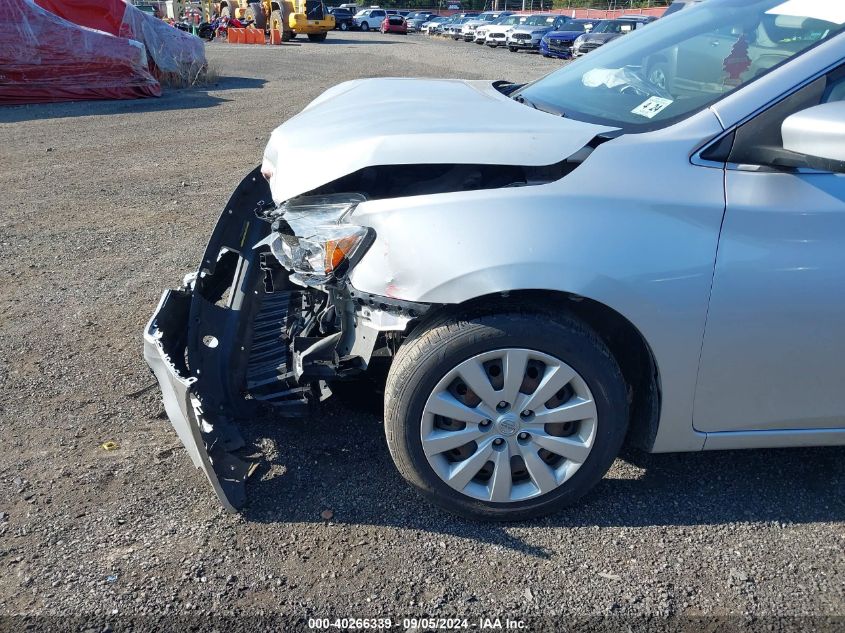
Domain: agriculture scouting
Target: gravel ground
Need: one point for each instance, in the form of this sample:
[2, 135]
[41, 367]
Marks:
[108, 203]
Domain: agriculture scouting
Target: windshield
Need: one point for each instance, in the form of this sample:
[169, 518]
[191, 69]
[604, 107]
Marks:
[537, 20]
[511, 19]
[681, 64]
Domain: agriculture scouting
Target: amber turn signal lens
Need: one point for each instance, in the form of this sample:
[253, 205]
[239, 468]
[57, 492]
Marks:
[338, 250]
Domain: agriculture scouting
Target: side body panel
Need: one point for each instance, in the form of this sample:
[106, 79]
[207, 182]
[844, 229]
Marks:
[636, 246]
[772, 355]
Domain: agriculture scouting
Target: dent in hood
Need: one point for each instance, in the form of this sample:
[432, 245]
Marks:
[371, 122]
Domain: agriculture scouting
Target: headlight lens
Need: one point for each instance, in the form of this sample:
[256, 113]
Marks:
[322, 246]
[326, 252]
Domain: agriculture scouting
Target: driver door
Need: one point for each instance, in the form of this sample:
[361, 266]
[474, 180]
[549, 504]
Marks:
[773, 356]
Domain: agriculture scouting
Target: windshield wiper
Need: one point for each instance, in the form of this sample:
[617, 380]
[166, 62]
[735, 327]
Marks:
[521, 99]
[545, 107]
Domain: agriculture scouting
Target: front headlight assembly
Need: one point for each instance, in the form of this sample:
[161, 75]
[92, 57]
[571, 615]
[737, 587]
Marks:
[311, 238]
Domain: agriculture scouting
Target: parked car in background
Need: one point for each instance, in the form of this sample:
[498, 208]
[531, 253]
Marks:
[453, 30]
[368, 19]
[606, 31]
[344, 20]
[416, 20]
[567, 266]
[527, 36]
[497, 33]
[558, 43]
[488, 17]
[394, 24]
[431, 26]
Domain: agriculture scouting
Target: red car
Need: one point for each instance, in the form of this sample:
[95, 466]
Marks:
[394, 24]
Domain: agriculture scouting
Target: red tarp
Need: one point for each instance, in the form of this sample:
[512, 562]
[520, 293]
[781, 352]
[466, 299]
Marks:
[45, 58]
[171, 51]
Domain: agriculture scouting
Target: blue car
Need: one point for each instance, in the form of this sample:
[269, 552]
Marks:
[559, 43]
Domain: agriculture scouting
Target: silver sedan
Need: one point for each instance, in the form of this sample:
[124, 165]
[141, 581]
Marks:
[645, 246]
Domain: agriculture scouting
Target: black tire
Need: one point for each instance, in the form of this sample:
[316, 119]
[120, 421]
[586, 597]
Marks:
[344, 26]
[513, 49]
[430, 353]
[256, 14]
[365, 26]
[317, 37]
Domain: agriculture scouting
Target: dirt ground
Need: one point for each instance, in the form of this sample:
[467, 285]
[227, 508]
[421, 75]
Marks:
[105, 204]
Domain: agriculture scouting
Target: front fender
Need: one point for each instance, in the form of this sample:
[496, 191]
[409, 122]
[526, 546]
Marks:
[608, 231]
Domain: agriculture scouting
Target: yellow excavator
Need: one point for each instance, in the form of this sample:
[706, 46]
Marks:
[289, 17]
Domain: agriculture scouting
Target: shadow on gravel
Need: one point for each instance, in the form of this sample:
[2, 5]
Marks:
[340, 461]
[171, 99]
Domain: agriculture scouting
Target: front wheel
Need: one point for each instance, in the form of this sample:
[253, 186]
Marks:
[365, 26]
[344, 26]
[513, 49]
[506, 416]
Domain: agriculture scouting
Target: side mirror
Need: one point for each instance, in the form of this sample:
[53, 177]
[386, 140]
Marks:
[818, 133]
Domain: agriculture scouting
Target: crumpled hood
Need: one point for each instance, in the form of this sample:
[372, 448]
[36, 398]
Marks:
[370, 122]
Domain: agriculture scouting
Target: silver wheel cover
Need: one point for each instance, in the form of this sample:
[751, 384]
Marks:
[508, 425]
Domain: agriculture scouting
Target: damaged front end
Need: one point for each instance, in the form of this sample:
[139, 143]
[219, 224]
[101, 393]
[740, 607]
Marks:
[267, 321]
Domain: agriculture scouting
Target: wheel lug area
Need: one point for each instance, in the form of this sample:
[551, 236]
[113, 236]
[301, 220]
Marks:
[523, 437]
[526, 415]
[485, 424]
[503, 406]
[498, 441]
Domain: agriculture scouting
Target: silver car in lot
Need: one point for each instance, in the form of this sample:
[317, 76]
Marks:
[527, 35]
[645, 246]
[431, 26]
[469, 28]
[415, 21]
[496, 34]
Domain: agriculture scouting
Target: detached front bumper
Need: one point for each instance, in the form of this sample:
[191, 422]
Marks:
[240, 338]
[164, 351]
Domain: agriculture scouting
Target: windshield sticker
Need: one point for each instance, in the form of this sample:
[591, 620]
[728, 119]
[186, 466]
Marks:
[652, 106]
[818, 9]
